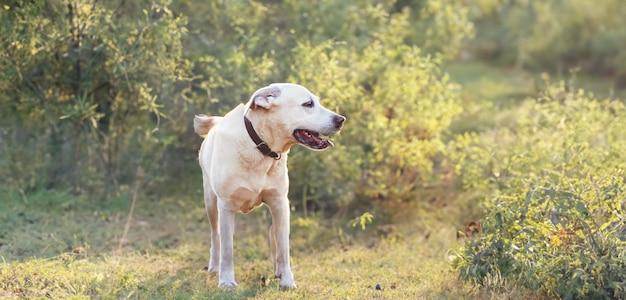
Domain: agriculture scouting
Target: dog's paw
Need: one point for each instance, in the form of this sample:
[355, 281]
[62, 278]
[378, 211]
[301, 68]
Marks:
[286, 280]
[287, 284]
[227, 284]
[213, 269]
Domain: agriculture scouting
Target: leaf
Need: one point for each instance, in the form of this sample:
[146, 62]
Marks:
[362, 220]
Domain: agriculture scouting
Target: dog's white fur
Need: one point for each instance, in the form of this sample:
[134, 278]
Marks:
[237, 177]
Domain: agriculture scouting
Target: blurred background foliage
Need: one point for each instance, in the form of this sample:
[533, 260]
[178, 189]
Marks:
[555, 35]
[97, 95]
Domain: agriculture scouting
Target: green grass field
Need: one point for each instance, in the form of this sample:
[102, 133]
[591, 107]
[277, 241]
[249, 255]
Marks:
[59, 246]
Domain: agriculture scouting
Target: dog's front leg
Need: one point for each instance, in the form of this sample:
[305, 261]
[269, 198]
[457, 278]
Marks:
[279, 242]
[227, 265]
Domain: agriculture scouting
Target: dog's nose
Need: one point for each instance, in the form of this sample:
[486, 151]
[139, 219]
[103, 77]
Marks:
[339, 120]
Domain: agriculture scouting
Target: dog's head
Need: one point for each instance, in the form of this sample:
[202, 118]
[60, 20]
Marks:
[293, 113]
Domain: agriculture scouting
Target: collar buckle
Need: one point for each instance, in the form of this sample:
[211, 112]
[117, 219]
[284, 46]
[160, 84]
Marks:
[260, 144]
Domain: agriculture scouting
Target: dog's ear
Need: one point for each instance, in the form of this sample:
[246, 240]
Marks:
[264, 97]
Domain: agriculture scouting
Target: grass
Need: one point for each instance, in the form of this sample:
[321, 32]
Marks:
[492, 95]
[62, 246]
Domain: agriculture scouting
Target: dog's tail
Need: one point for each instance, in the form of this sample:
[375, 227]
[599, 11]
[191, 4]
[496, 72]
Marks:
[203, 123]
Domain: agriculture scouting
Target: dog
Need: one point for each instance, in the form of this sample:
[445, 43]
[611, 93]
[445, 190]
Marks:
[244, 165]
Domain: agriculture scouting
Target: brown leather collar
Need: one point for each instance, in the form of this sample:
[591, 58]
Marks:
[260, 144]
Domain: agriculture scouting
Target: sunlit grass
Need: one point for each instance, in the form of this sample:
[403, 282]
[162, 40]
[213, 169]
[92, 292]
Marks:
[492, 94]
[61, 246]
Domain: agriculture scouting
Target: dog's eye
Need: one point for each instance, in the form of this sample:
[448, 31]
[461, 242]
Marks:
[308, 103]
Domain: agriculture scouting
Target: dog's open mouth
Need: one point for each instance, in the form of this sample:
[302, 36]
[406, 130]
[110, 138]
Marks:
[312, 139]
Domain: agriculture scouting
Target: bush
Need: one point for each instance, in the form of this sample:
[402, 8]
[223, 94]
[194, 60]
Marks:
[360, 58]
[558, 35]
[85, 87]
[251, 43]
[555, 212]
[89, 83]
[398, 105]
[439, 26]
[101, 91]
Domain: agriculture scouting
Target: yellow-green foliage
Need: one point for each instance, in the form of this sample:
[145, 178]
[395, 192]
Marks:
[397, 103]
[109, 88]
[85, 86]
[552, 34]
[365, 59]
[555, 185]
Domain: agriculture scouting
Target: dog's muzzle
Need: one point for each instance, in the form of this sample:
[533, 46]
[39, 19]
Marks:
[312, 139]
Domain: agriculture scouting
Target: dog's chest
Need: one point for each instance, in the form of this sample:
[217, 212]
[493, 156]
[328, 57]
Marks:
[246, 200]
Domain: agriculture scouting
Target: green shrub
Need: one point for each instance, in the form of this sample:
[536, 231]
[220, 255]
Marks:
[555, 209]
[439, 26]
[359, 57]
[84, 89]
[558, 35]
[398, 104]
[86, 84]
[239, 46]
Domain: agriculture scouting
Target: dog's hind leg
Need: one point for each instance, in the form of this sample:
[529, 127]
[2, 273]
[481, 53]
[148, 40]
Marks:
[210, 203]
[227, 264]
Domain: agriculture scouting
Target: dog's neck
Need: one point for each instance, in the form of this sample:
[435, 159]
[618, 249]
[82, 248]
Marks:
[261, 145]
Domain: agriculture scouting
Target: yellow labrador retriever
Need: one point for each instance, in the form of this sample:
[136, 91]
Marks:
[244, 165]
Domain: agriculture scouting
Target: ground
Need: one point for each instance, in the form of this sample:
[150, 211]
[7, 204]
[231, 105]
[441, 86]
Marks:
[60, 246]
